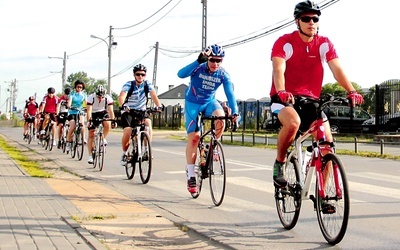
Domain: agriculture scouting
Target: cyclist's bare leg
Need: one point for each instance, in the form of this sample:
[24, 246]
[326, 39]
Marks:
[219, 124]
[25, 127]
[82, 121]
[191, 147]
[148, 124]
[290, 121]
[71, 130]
[90, 141]
[125, 138]
[106, 128]
[60, 131]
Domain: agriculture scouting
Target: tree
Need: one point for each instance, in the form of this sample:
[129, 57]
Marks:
[337, 90]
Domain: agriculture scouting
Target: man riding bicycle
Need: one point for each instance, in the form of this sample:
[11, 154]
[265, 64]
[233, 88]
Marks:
[99, 105]
[206, 76]
[30, 113]
[297, 60]
[133, 96]
[48, 106]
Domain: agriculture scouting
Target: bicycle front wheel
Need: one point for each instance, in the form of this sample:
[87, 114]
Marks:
[333, 209]
[80, 145]
[51, 139]
[131, 159]
[30, 132]
[73, 146]
[217, 173]
[145, 163]
[101, 152]
[288, 199]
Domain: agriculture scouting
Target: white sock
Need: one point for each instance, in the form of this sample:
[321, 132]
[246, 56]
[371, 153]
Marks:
[190, 170]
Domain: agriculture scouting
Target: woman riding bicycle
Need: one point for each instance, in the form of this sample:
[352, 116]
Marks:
[76, 100]
[206, 76]
[297, 61]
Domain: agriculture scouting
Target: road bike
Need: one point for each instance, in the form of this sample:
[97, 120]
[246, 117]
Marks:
[99, 147]
[47, 139]
[210, 161]
[139, 150]
[64, 134]
[77, 143]
[331, 197]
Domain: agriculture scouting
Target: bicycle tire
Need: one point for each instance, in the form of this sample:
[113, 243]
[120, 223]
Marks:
[80, 145]
[30, 132]
[51, 138]
[145, 164]
[94, 151]
[198, 174]
[217, 172]
[288, 199]
[130, 164]
[64, 138]
[333, 225]
[73, 146]
[46, 138]
[101, 152]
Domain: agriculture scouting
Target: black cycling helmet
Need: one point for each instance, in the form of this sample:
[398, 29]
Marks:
[31, 98]
[216, 50]
[51, 90]
[77, 82]
[67, 91]
[100, 90]
[139, 67]
[304, 7]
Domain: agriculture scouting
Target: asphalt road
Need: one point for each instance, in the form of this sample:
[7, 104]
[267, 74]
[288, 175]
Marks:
[247, 218]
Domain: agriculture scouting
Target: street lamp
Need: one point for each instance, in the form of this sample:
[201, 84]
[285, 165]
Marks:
[109, 44]
[64, 68]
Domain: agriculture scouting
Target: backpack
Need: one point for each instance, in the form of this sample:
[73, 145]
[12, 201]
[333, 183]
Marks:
[146, 91]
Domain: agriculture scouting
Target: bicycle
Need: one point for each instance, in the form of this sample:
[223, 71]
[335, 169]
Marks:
[139, 150]
[331, 197]
[99, 149]
[64, 134]
[49, 136]
[210, 165]
[77, 143]
[31, 128]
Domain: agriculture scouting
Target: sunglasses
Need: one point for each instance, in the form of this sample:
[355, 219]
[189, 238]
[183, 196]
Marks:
[140, 74]
[79, 87]
[307, 19]
[214, 60]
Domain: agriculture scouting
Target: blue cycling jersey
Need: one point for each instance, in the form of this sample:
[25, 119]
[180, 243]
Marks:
[77, 101]
[204, 84]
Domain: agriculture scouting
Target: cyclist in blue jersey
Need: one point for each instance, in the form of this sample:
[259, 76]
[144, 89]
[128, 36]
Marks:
[206, 76]
[134, 96]
[76, 100]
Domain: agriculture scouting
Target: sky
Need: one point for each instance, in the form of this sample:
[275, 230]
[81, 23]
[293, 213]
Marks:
[364, 36]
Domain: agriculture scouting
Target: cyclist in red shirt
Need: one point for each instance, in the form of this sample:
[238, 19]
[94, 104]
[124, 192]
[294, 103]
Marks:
[30, 112]
[297, 61]
[49, 105]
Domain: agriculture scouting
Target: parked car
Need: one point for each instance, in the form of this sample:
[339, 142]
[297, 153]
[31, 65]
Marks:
[390, 123]
[339, 119]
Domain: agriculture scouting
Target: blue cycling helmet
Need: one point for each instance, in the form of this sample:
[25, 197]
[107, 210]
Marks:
[216, 50]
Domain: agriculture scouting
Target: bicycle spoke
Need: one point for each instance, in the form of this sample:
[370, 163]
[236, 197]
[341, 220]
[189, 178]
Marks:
[130, 161]
[101, 152]
[146, 159]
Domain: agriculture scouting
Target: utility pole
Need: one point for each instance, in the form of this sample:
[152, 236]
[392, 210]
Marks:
[204, 25]
[64, 72]
[155, 67]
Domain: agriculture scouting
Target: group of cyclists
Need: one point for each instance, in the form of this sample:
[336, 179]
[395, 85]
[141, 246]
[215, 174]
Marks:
[97, 106]
[297, 60]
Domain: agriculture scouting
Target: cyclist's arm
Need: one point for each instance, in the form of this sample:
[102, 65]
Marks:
[121, 98]
[339, 75]
[154, 97]
[230, 94]
[110, 109]
[278, 69]
[89, 111]
[188, 70]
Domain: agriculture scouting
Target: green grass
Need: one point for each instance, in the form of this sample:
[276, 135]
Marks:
[226, 141]
[31, 167]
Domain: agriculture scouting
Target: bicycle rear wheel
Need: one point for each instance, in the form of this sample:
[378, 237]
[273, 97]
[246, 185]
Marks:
[131, 159]
[80, 145]
[333, 210]
[51, 139]
[217, 172]
[101, 152]
[145, 163]
[288, 199]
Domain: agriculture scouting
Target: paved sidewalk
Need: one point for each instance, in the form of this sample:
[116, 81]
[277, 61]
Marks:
[67, 212]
